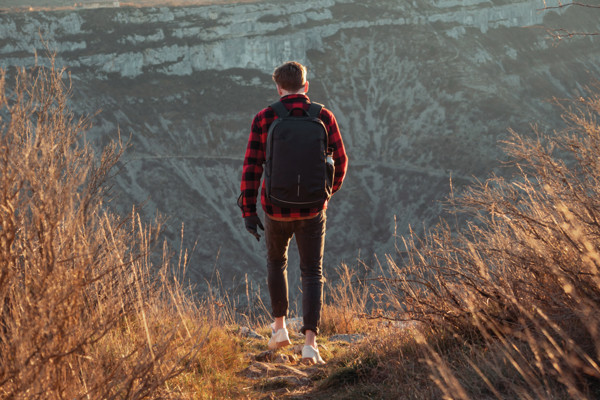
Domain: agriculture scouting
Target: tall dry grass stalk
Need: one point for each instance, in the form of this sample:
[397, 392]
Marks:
[347, 304]
[84, 314]
[521, 283]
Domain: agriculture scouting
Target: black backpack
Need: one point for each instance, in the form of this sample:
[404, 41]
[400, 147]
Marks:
[298, 165]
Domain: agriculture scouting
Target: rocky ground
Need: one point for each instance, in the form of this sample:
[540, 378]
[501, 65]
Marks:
[282, 374]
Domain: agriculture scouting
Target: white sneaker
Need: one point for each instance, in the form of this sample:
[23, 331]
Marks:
[311, 355]
[279, 338]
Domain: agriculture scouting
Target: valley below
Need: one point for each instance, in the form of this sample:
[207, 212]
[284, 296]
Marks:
[424, 93]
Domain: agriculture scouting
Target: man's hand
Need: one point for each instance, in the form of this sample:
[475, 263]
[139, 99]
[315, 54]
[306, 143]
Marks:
[252, 222]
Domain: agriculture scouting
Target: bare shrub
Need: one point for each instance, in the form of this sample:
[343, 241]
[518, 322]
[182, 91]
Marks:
[83, 311]
[521, 281]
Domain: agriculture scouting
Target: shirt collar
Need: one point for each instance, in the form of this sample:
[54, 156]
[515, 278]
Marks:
[295, 96]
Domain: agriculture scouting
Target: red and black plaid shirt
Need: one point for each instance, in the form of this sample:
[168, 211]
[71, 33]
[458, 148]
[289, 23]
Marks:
[255, 157]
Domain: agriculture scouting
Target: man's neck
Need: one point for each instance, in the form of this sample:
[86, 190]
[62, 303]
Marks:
[286, 93]
[302, 90]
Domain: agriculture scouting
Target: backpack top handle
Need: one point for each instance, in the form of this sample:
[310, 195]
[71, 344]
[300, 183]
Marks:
[313, 110]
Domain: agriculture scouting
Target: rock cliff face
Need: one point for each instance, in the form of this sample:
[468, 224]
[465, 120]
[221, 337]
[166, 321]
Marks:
[422, 91]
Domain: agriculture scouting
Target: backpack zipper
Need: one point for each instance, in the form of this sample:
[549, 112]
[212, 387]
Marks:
[293, 202]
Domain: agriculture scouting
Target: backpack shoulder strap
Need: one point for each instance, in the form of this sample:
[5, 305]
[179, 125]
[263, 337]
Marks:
[280, 109]
[315, 109]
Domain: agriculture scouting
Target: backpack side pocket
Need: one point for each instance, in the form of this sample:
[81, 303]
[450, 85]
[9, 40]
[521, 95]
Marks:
[330, 172]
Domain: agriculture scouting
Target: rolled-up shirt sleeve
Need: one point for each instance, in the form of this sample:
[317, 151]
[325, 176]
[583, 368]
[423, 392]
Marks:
[339, 152]
[253, 167]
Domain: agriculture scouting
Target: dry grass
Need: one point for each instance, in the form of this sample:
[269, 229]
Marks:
[387, 365]
[91, 304]
[521, 283]
[91, 307]
[347, 304]
[84, 313]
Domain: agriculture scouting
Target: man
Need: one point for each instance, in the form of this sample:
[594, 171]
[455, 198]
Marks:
[281, 223]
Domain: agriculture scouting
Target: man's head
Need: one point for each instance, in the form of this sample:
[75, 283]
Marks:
[290, 77]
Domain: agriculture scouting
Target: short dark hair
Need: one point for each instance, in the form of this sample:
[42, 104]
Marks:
[290, 76]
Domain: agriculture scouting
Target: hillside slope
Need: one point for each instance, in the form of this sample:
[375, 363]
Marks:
[423, 91]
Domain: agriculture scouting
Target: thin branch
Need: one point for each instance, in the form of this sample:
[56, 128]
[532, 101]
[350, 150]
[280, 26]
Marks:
[574, 3]
[564, 34]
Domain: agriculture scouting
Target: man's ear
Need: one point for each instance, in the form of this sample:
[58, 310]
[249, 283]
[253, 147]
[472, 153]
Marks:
[279, 90]
[306, 87]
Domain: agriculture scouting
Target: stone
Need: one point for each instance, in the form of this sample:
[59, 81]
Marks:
[256, 370]
[249, 333]
[348, 338]
[281, 359]
[265, 356]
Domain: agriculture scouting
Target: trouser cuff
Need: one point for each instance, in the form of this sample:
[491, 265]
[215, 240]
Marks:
[309, 328]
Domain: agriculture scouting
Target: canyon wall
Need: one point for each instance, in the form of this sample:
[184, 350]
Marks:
[423, 92]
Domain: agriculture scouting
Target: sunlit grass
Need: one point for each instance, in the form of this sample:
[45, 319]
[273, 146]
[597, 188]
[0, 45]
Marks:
[93, 306]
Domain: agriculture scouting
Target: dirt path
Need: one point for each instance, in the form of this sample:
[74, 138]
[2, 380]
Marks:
[281, 372]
